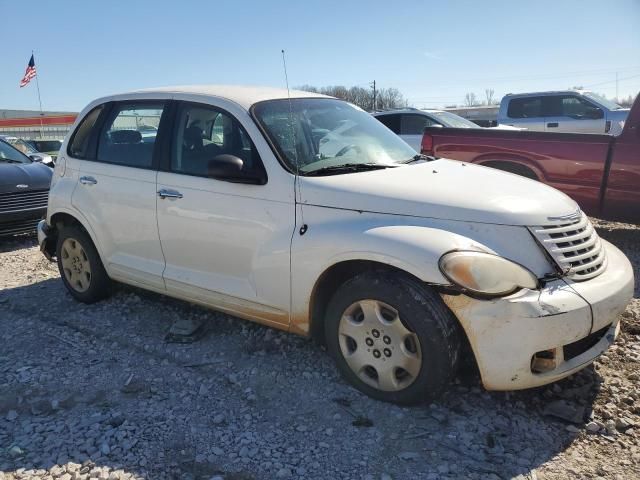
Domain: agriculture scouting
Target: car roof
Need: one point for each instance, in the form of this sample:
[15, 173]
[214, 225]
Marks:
[548, 92]
[243, 95]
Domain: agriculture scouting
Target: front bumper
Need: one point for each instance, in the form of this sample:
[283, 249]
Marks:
[45, 239]
[568, 323]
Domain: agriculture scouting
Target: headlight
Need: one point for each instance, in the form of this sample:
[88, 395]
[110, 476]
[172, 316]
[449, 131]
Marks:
[485, 273]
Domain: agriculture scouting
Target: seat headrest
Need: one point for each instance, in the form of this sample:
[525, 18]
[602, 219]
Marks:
[125, 136]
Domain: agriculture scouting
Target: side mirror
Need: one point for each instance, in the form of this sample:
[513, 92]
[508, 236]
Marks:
[225, 167]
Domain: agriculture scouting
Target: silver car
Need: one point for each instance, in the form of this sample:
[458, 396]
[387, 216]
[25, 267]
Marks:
[578, 111]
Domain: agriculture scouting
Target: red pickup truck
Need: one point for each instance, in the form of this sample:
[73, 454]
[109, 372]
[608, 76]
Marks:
[600, 172]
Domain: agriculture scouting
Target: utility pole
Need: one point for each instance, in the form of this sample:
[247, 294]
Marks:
[373, 85]
[616, 86]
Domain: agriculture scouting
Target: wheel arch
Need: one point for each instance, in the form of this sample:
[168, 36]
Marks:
[64, 217]
[515, 165]
[334, 277]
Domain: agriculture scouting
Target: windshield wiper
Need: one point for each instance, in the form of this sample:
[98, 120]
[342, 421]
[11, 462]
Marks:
[10, 160]
[417, 158]
[347, 168]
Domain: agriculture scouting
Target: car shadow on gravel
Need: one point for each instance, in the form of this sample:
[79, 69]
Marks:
[17, 242]
[98, 385]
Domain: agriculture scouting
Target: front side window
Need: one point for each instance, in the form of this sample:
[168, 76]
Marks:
[577, 107]
[129, 134]
[314, 134]
[415, 124]
[529, 107]
[203, 133]
[79, 145]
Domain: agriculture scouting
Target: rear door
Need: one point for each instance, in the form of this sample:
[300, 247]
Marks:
[526, 112]
[572, 113]
[226, 241]
[116, 190]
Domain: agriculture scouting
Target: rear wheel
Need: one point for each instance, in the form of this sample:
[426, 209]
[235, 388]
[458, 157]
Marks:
[80, 266]
[392, 338]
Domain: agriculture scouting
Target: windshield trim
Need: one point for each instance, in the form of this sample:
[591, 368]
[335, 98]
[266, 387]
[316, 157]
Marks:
[28, 159]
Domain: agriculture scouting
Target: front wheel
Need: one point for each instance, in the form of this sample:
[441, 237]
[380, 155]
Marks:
[80, 266]
[392, 337]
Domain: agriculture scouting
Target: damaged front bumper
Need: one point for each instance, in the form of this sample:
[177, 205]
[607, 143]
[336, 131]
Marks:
[46, 240]
[532, 338]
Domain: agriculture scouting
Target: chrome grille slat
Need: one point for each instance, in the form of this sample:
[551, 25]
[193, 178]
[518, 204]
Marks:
[574, 245]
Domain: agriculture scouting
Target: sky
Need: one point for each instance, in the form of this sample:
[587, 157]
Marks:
[434, 52]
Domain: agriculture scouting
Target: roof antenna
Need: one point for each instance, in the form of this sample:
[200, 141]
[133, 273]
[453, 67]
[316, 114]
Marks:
[297, 185]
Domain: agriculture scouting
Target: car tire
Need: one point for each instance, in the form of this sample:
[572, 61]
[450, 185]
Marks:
[392, 337]
[80, 266]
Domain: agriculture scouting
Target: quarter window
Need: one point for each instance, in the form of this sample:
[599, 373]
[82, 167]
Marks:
[202, 134]
[129, 134]
[79, 145]
[529, 107]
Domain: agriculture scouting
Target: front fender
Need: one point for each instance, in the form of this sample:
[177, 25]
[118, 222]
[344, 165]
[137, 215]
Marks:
[386, 239]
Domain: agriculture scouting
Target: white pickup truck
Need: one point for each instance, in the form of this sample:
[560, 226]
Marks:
[572, 111]
[306, 214]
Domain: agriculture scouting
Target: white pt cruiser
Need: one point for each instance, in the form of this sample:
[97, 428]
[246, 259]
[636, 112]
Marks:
[304, 213]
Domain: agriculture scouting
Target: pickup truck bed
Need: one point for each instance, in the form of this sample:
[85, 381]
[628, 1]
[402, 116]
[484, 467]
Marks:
[600, 172]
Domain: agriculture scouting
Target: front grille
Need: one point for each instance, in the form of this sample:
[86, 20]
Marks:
[574, 245]
[17, 201]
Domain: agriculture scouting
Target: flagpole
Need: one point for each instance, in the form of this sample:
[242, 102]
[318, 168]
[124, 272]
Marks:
[39, 99]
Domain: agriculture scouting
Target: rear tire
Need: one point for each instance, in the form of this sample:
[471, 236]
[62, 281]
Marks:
[80, 266]
[392, 337]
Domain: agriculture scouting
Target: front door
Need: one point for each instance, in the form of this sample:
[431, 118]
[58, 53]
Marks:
[226, 240]
[571, 113]
[116, 191]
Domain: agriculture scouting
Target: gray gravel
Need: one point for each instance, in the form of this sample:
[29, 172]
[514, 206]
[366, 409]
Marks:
[95, 392]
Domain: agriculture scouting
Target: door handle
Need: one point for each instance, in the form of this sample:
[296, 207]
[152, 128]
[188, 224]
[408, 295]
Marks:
[552, 125]
[88, 180]
[164, 193]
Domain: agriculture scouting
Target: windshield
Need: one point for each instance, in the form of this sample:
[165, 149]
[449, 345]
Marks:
[327, 132]
[452, 120]
[8, 154]
[603, 101]
[23, 146]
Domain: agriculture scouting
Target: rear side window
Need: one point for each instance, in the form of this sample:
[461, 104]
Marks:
[391, 121]
[414, 124]
[79, 145]
[527, 107]
[129, 134]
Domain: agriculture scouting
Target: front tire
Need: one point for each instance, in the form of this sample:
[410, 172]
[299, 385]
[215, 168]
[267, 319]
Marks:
[392, 337]
[80, 266]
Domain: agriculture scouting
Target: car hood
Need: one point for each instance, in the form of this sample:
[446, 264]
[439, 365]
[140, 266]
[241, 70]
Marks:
[36, 175]
[443, 189]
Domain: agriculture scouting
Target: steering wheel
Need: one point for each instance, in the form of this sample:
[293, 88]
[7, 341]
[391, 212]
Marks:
[344, 150]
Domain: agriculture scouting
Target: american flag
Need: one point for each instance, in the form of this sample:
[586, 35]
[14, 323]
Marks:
[29, 73]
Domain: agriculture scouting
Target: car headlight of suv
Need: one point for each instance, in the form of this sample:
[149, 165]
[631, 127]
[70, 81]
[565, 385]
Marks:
[485, 273]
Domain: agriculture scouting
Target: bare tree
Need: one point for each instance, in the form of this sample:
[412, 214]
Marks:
[387, 98]
[470, 99]
[489, 94]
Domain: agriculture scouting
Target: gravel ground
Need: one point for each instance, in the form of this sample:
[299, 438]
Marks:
[96, 392]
